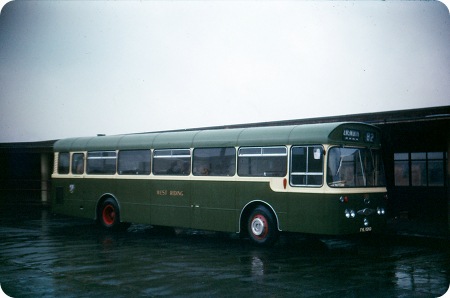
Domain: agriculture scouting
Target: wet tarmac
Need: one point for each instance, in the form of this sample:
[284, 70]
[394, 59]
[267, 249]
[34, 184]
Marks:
[46, 255]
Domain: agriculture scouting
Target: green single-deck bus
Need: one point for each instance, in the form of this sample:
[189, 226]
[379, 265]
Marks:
[323, 179]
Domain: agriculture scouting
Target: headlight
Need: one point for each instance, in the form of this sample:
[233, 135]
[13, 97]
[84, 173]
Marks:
[366, 222]
[349, 213]
[380, 211]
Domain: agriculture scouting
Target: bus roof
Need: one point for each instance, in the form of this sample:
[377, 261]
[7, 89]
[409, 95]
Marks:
[338, 133]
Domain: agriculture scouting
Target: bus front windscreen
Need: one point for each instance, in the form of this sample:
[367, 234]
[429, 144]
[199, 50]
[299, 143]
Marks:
[355, 167]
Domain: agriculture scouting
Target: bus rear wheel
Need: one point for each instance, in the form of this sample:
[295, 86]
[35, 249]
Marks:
[261, 226]
[109, 214]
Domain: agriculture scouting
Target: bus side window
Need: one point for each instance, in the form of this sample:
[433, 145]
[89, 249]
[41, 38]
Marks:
[78, 163]
[214, 162]
[134, 162]
[262, 161]
[172, 162]
[306, 166]
[101, 162]
[63, 163]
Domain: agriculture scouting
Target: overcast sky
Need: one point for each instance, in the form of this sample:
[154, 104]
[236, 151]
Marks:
[81, 68]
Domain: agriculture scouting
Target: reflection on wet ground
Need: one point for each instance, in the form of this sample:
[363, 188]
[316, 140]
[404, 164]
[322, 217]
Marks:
[44, 255]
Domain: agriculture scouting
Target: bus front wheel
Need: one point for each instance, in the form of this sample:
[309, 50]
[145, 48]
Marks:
[109, 215]
[261, 226]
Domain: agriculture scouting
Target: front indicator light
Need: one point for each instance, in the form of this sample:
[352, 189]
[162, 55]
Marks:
[343, 199]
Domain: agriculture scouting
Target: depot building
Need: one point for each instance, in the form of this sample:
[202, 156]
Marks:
[416, 145]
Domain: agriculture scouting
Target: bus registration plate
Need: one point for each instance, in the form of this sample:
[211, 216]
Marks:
[365, 229]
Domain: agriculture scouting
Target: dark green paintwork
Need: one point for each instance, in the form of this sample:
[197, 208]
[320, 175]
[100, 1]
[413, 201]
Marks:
[216, 205]
[219, 204]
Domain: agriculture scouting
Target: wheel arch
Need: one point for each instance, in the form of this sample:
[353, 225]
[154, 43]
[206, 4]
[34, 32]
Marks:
[247, 209]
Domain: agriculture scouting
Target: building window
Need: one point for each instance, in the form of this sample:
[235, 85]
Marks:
[401, 169]
[436, 166]
[420, 169]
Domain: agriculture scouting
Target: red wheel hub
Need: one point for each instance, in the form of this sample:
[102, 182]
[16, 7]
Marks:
[109, 215]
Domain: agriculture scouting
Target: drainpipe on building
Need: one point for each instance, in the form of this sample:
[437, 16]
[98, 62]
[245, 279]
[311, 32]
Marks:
[448, 184]
[44, 179]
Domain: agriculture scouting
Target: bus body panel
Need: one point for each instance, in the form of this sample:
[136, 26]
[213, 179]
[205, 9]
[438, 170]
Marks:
[71, 198]
[261, 194]
[170, 203]
[325, 213]
[217, 205]
[213, 205]
[133, 197]
[223, 203]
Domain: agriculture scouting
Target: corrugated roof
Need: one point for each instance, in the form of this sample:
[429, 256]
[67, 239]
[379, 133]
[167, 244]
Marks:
[379, 118]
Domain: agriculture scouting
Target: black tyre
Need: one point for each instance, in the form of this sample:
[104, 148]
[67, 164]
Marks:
[109, 214]
[261, 226]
